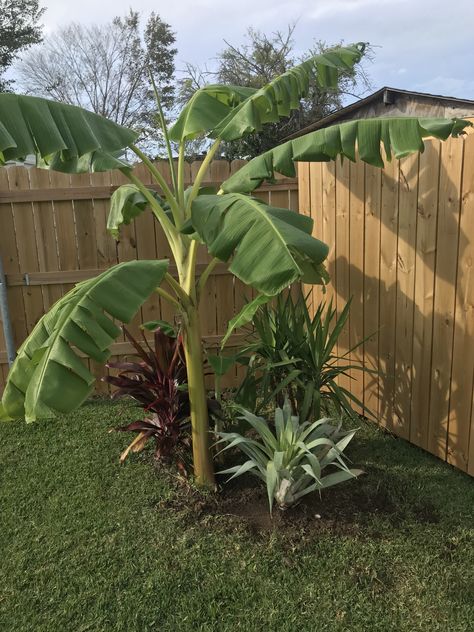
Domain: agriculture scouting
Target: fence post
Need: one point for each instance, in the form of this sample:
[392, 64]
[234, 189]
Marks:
[5, 314]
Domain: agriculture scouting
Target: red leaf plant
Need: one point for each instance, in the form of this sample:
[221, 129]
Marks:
[158, 383]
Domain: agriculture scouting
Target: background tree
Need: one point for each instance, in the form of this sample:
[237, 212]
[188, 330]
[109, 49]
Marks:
[105, 69]
[19, 29]
[254, 64]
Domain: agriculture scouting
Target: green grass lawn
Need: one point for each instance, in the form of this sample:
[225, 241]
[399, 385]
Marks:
[87, 544]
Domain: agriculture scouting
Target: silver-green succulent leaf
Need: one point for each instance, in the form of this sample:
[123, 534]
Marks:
[291, 457]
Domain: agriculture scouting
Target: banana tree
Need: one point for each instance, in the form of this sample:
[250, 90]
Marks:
[266, 247]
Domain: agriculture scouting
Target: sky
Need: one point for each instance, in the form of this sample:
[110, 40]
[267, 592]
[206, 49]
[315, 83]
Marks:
[423, 45]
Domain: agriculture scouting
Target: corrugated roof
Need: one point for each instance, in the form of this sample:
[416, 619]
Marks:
[386, 95]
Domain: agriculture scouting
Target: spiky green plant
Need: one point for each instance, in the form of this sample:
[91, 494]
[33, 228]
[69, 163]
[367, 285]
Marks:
[290, 458]
[293, 353]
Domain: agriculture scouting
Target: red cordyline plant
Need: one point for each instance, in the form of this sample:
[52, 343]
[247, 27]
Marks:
[158, 383]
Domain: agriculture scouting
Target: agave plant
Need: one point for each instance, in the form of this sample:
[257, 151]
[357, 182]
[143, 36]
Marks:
[290, 458]
[266, 247]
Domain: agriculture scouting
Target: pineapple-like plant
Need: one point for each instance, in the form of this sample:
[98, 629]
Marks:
[292, 458]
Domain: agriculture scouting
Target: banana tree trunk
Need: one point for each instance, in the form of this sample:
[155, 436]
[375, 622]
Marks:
[203, 466]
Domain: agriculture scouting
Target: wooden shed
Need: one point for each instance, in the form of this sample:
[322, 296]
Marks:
[394, 102]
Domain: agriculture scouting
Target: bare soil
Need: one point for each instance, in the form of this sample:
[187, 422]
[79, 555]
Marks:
[349, 509]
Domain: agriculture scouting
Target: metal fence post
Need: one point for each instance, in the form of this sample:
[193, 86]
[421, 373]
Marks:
[5, 315]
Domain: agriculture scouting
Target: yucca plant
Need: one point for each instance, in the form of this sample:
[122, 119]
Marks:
[290, 457]
[265, 247]
[292, 354]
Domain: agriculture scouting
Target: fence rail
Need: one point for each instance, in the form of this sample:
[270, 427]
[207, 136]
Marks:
[402, 246]
[53, 234]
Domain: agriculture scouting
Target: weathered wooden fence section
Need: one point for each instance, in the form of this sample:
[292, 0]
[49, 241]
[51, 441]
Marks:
[53, 234]
[402, 245]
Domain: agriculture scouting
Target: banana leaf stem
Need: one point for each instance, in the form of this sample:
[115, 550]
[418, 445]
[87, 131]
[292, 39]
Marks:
[167, 296]
[180, 192]
[180, 293]
[205, 275]
[164, 127]
[189, 281]
[200, 175]
[162, 182]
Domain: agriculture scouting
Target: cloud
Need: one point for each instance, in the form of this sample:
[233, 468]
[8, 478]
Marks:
[448, 86]
[420, 42]
[338, 7]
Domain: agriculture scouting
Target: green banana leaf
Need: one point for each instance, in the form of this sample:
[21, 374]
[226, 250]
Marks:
[230, 112]
[126, 203]
[245, 316]
[269, 247]
[206, 108]
[48, 377]
[399, 136]
[63, 137]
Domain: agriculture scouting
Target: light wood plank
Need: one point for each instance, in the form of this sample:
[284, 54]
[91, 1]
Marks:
[316, 210]
[24, 223]
[444, 299]
[343, 260]
[407, 208]
[371, 283]
[11, 264]
[460, 404]
[424, 291]
[356, 277]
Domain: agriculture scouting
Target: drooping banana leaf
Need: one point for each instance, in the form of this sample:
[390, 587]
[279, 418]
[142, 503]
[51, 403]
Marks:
[269, 247]
[62, 137]
[126, 203]
[230, 114]
[399, 136]
[206, 108]
[48, 377]
[245, 316]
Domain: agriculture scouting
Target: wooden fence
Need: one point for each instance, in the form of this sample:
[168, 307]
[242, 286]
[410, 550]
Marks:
[53, 234]
[402, 245]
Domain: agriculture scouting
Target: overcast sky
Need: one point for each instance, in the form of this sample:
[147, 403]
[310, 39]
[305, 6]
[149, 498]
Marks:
[424, 45]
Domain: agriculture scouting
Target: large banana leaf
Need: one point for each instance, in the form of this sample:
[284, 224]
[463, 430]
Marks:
[63, 137]
[206, 108]
[269, 247]
[229, 112]
[48, 377]
[126, 203]
[399, 136]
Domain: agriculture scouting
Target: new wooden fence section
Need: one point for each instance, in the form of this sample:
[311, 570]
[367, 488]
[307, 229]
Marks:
[53, 234]
[402, 245]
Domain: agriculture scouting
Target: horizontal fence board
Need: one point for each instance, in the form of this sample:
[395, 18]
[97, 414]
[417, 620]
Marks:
[91, 192]
[55, 277]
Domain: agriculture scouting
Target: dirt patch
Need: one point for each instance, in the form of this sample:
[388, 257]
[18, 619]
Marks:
[346, 510]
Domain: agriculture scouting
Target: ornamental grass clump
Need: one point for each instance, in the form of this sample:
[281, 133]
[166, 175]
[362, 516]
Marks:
[293, 353]
[292, 457]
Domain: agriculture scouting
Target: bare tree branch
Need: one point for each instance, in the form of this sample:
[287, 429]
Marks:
[104, 69]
